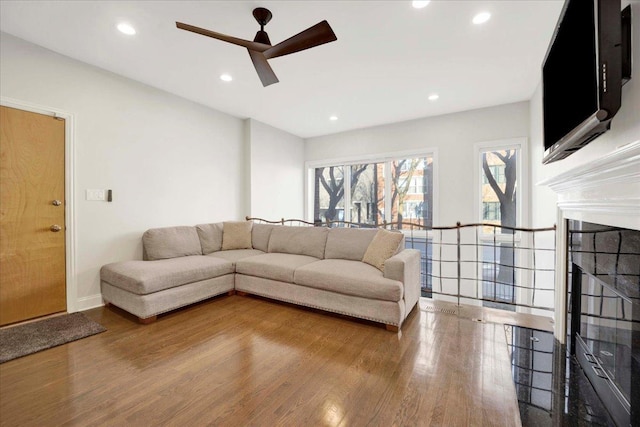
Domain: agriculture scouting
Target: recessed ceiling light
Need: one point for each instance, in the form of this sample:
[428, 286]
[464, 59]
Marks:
[333, 118]
[226, 78]
[481, 18]
[420, 4]
[127, 29]
[433, 97]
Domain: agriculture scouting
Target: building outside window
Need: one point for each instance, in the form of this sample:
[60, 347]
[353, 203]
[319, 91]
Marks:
[417, 185]
[414, 209]
[491, 212]
[498, 173]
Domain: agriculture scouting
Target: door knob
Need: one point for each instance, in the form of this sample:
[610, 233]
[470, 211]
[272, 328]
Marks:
[56, 203]
[55, 228]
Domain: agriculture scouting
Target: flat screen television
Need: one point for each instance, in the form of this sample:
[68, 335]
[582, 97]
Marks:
[582, 76]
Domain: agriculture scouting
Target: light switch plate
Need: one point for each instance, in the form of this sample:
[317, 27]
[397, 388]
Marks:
[97, 195]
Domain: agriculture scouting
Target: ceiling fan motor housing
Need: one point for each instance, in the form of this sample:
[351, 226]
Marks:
[262, 15]
[262, 37]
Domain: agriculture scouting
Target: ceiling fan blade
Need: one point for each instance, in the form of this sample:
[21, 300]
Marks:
[260, 47]
[320, 33]
[266, 74]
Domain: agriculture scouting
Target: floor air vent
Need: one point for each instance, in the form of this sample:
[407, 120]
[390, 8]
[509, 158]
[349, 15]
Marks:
[439, 309]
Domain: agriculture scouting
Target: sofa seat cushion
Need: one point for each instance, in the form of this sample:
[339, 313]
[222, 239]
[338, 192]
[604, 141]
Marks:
[145, 277]
[274, 266]
[350, 278]
[234, 255]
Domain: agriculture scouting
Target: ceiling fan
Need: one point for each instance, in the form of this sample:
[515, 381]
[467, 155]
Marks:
[260, 49]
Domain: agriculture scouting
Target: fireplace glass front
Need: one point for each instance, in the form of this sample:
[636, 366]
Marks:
[605, 332]
[605, 336]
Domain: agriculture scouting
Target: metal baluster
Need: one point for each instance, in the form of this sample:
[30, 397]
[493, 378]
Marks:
[459, 262]
[533, 245]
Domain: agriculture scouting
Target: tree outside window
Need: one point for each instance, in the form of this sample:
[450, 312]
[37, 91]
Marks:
[367, 193]
[499, 175]
[410, 198]
[500, 207]
[329, 194]
[412, 191]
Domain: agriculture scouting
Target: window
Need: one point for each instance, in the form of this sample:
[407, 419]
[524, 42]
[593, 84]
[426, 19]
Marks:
[499, 169]
[491, 211]
[499, 188]
[360, 191]
[406, 166]
[498, 173]
[417, 185]
[411, 187]
[329, 194]
[367, 193]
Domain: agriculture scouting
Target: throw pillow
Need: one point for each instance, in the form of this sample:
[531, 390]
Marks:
[383, 246]
[236, 235]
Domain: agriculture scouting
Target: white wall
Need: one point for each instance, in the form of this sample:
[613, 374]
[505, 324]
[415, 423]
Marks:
[276, 172]
[168, 161]
[452, 135]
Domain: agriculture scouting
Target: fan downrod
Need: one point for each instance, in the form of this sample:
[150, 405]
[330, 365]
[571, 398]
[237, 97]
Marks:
[262, 15]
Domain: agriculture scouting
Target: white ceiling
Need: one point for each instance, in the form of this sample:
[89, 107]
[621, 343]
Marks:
[389, 57]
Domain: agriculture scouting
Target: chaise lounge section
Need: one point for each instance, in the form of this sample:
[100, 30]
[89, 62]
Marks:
[363, 273]
[173, 274]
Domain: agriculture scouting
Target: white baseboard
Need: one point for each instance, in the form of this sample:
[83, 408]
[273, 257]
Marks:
[85, 303]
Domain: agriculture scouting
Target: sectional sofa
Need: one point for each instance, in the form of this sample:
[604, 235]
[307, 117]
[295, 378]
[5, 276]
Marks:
[363, 273]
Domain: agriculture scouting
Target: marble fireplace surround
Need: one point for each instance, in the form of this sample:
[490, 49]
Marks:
[603, 191]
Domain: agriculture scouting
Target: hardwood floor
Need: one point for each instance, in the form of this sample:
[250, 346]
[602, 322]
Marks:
[234, 361]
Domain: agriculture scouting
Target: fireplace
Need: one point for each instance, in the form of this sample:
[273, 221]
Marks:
[597, 307]
[603, 320]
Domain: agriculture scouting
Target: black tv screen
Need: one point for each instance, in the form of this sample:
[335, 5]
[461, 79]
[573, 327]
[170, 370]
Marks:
[581, 76]
[570, 81]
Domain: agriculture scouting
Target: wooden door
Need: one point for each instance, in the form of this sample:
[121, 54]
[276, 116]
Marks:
[32, 204]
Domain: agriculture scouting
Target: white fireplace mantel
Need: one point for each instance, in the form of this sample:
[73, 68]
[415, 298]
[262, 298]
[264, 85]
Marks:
[604, 191]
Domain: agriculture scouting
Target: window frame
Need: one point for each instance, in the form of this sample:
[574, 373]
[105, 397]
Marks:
[522, 199]
[522, 195]
[385, 158]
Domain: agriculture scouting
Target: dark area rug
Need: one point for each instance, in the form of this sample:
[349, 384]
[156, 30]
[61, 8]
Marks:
[32, 337]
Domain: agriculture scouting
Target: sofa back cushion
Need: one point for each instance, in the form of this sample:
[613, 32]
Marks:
[348, 243]
[171, 242]
[384, 245]
[236, 235]
[210, 237]
[298, 240]
[260, 234]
